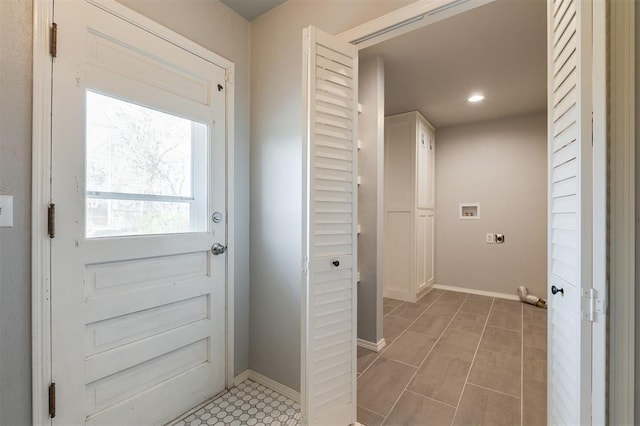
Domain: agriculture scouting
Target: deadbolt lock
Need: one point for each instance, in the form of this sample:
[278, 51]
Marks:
[216, 217]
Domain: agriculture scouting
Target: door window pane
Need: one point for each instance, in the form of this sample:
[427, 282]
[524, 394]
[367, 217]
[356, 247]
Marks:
[146, 170]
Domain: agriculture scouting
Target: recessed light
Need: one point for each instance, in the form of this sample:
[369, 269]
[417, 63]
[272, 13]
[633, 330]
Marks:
[475, 98]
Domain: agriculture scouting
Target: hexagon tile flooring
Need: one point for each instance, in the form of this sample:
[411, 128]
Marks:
[249, 403]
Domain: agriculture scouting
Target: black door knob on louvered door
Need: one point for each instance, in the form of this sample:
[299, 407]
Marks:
[556, 290]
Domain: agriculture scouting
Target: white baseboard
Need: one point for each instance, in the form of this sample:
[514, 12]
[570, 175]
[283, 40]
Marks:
[478, 292]
[270, 383]
[241, 377]
[424, 290]
[397, 295]
[376, 347]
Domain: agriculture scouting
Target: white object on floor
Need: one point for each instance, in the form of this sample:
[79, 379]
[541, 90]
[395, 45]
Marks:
[249, 403]
[524, 295]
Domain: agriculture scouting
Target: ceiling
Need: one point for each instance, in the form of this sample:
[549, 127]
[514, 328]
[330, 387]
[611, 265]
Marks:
[498, 49]
[251, 9]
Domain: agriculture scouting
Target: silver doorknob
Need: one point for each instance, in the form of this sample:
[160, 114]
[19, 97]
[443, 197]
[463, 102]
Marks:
[218, 248]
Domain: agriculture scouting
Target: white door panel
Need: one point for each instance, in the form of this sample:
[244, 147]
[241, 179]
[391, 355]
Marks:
[138, 167]
[570, 206]
[330, 226]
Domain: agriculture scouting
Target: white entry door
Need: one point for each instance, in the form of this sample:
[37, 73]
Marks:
[573, 303]
[138, 170]
[329, 367]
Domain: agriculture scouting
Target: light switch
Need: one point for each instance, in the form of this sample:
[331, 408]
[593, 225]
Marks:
[6, 211]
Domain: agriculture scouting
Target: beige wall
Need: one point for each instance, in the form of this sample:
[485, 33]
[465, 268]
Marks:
[276, 167]
[15, 243]
[502, 165]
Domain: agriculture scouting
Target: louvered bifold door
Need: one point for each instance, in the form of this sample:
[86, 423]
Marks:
[570, 207]
[330, 226]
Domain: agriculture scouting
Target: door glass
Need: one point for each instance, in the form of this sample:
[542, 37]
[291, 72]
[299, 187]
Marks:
[146, 170]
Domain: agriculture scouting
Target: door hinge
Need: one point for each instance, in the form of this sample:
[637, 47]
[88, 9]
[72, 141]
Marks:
[595, 306]
[52, 400]
[228, 77]
[51, 220]
[53, 41]
[305, 265]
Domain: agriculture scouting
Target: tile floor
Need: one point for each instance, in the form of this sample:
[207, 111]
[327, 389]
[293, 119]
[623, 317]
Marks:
[456, 359]
[249, 403]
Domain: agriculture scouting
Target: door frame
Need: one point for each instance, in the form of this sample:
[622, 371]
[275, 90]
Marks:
[621, 135]
[425, 12]
[41, 189]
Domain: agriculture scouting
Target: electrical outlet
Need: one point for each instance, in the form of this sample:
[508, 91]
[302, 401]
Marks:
[6, 211]
[489, 238]
[499, 238]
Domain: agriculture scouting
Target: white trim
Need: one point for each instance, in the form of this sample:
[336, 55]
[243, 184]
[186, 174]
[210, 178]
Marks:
[304, 317]
[389, 293]
[376, 347]
[41, 195]
[478, 292]
[270, 383]
[231, 221]
[380, 251]
[391, 25]
[599, 203]
[129, 15]
[241, 377]
[621, 391]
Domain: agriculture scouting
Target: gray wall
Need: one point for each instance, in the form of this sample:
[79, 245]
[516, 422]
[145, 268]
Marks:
[637, 353]
[15, 243]
[219, 29]
[276, 167]
[501, 164]
[370, 197]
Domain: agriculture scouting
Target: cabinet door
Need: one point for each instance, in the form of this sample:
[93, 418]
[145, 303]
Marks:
[425, 176]
[425, 259]
[430, 168]
[422, 226]
[422, 166]
[430, 260]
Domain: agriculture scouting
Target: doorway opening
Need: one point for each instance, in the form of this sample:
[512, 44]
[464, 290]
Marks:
[452, 216]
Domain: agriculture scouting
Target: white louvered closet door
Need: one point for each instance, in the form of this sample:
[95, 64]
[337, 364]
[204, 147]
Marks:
[330, 76]
[570, 212]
